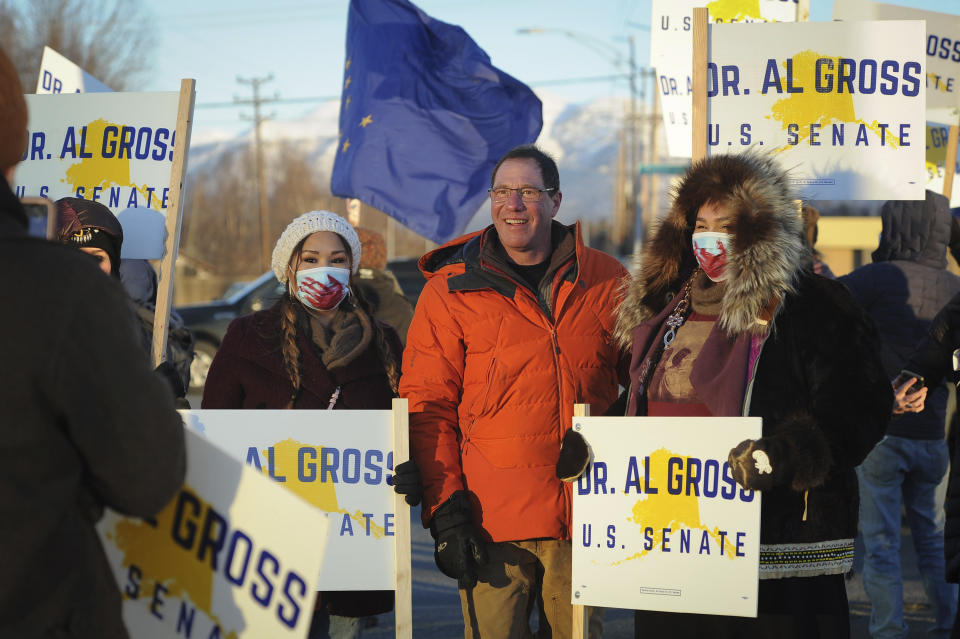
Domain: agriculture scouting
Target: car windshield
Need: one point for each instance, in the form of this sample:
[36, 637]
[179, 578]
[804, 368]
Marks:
[249, 288]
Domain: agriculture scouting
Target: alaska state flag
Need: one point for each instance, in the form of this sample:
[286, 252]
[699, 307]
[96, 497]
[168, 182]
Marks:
[424, 117]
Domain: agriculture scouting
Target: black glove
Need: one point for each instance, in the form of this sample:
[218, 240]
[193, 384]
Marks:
[407, 482]
[574, 456]
[458, 548]
[169, 373]
[751, 465]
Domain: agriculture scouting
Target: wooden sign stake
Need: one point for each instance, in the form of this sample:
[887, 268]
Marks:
[581, 615]
[403, 591]
[171, 245]
[700, 59]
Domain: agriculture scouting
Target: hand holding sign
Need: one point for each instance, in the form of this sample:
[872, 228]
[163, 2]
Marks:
[750, 465]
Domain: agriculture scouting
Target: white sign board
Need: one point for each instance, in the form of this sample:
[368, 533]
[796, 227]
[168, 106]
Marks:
[231, 555]
[942, 50]
[113, 148]
[671, 54]
[59, 75]
[839, 104]
[937, 135]
[341, 462]
[659, 523]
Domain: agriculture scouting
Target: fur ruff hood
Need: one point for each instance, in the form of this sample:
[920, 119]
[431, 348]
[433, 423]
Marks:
[768, 248]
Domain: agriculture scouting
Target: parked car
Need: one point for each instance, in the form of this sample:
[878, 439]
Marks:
[209, 320]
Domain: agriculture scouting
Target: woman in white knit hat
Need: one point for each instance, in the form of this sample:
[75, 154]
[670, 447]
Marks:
[318, 347]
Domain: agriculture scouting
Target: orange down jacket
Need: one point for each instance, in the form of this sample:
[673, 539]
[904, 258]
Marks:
[492, 371]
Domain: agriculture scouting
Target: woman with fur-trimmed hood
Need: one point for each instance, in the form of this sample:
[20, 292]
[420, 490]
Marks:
[723, 321]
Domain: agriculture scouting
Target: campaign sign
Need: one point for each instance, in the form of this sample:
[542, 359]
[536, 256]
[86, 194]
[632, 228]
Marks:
[112, 148]
[59, 75]
[230, 556]
[942, 49]
[671, 54]
[839, 104]
[659, 523]
[937, 136]
[341, 462]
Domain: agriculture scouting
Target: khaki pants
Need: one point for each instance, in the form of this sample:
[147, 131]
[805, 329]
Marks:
[519, 575]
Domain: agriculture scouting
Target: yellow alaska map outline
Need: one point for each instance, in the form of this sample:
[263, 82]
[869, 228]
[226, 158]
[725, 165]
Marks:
[106, 172]
[321, 494]
[162, 561]
[734, 10]
[811, 107]
[663, 510]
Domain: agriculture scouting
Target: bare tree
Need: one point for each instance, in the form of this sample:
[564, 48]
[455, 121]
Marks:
[220, 224]
[110, 39]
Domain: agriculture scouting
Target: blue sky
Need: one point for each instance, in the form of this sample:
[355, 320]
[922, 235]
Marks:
[302, 44]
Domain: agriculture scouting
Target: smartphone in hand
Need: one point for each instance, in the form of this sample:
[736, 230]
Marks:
[904, 376]
[41, 216]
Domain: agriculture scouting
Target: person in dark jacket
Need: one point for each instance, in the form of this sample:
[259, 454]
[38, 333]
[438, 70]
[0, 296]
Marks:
[318, 347]
[95, 230]
[902, 290]
[752, 333]
[140, 282]
[380, 286]
[811, 231]
[937, 358]
[85, 422]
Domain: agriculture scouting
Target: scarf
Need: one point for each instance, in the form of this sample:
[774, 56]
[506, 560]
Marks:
[344, 340]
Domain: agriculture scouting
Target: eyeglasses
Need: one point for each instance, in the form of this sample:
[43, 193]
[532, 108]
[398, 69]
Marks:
[527, 193]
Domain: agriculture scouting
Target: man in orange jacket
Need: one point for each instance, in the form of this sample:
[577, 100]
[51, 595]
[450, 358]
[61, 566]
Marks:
[512, 329]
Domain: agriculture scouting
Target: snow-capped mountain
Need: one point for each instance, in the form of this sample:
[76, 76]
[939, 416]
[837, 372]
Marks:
[583, 137]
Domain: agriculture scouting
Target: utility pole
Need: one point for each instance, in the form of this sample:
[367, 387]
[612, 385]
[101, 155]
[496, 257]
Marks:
[257, 119]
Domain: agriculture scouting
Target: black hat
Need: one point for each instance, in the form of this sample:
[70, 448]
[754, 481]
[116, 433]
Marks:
[84, 223]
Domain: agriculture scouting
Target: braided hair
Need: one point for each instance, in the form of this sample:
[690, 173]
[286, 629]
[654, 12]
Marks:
[292, 317]
[289, 320]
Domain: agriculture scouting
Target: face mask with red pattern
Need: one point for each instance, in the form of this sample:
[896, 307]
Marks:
[712, 250]
[323, 288]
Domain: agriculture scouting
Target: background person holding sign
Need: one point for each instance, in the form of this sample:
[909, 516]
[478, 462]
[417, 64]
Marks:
[318, 347]
[723, 322]
[85, 425]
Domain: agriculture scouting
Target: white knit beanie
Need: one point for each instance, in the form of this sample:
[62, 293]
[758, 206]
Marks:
[308, 224]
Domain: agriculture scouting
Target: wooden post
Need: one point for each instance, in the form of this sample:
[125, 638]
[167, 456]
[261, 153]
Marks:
[700, 59]
[950, 161]
[803, 10]
[403, 591]
[581, 614]
[178, 172]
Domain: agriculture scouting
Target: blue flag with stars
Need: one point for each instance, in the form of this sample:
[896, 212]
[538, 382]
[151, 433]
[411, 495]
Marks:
[424, 117]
